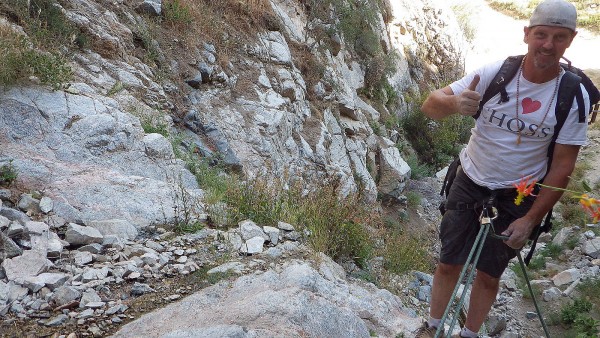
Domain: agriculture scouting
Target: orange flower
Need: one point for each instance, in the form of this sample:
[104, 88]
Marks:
[591, 206]
[524, 189]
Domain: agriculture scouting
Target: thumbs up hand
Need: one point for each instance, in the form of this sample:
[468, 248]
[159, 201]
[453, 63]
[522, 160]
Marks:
[468, 100]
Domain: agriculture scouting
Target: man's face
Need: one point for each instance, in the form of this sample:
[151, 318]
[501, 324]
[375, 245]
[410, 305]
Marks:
[547, 44]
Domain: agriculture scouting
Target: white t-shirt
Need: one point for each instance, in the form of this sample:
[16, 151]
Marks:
[492, 157]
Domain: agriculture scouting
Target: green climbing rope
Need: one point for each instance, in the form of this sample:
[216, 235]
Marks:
[486, 225]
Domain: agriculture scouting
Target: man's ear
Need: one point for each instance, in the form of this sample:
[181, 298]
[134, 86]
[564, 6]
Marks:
[525, 33]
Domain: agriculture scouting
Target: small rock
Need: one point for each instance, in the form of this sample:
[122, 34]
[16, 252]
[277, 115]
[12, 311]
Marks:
[531, 315]
[139, 289]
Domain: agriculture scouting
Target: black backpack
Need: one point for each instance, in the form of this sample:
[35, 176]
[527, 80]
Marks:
[568, 91]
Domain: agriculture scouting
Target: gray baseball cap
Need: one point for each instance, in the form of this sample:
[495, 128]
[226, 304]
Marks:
[557, 13]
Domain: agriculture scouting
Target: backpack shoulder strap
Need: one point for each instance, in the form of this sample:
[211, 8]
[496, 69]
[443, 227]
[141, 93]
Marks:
[568, 91]
[507, 71]
[592, 90]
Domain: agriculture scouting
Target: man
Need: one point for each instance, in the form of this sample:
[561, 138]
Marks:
[509, 142]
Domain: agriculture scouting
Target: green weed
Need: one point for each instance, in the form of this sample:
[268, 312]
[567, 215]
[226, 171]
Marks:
[45, 23]
[570, 312]
[538, 262]
[116, 88]
[144, 37]
[435, 142]
[551, 250]
[522, 284]
[8, 174]
[591, 289]
[20, 61]
[377, 86]
[418, 169]
[404, 252]
[413, 199]
[365, 275]
[186, 208]
[176, 12]
[586, 326]
[377, 130]
[336, 225]
[153, 124]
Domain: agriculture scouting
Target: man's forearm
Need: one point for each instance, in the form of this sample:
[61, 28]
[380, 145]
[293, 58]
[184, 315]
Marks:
[558, 177]
[544, 202]
[439, 105]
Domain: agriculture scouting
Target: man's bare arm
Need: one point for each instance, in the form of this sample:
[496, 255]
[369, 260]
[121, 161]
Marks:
[563, 163]
[442, 102]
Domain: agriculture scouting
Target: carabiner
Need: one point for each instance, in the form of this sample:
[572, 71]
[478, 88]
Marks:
[487, 219]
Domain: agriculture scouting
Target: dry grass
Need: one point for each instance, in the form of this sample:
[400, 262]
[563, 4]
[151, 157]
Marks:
[588, 11]
[219, 21]
[309, 65]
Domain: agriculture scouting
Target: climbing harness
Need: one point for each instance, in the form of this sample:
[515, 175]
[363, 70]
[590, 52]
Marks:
[488, 214]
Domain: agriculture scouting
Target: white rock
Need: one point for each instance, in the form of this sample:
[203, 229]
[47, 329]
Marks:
[551, 294]
[46, 204]
[253, 246]
[562, 236]
[273, 234]
[249, 229]
[30, 263]
[566, 277]
[592, 248]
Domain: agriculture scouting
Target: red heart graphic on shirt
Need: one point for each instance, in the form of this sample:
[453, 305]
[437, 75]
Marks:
[529, 106]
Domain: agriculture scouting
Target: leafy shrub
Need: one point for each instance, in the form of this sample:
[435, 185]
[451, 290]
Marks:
[418, 169]
[176, 12]
[20, 61]
[404, 252]
[336, 225]
[413, 199]
[435, 142]
[153, 124]
[570, 312]
[586, 326]
[8, 174]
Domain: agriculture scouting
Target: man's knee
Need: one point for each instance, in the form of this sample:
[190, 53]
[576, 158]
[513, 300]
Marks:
[487, 281]
[448, 269]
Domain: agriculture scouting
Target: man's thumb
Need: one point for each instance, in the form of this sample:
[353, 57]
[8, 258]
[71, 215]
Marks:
[474, 82]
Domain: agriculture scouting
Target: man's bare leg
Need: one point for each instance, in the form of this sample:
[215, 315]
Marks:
[483, 295]
[444, 280]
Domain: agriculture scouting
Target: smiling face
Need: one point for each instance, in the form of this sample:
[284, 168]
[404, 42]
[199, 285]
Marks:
[546, 45]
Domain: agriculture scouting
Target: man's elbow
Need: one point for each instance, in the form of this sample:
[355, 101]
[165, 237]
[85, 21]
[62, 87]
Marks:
[425, 108]
[428, 108]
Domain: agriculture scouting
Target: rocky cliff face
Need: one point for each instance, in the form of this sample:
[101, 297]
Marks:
[276, 89]
[259, 108]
